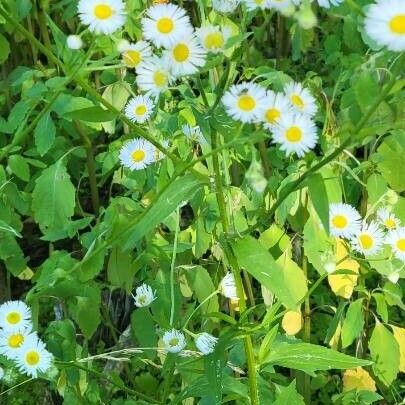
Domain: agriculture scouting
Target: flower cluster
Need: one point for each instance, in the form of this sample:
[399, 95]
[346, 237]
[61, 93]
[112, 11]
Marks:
[288, 115]
[19, 343]
[368, 238]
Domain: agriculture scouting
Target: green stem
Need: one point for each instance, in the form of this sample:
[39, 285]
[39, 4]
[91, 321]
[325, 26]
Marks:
[173, 265]
[265, 159]
[198, 307]
[307, 332]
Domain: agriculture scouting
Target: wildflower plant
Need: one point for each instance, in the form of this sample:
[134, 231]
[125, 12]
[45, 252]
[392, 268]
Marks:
[202, 201]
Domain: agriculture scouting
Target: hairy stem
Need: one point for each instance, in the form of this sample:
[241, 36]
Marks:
[173, 265]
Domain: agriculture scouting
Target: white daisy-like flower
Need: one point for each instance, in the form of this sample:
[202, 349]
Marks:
[227, 287]
[102, 16]
[122, 45]
[277, 105]
[301, 99]
[194, 134]
[185, 57]
[174, 341]
[33, 358]
[134, 54]
[254, 4]
[344, 220]
[396, 239]
[385, 24]
[329, 3]
[144, 295]
[245, 102]
[296, 133]
[74, 42]
[139, 109]
[387, 219]
[213, 37]
[206, 343]
[15, 315]
[165, 24]
[1, 373]
[369, 240]
[11, 341]
[137, 154]
[153, 76]
[225, 6]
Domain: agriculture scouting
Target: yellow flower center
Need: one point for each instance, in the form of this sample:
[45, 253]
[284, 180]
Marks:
[32, 358]
[401, 245]
[165, 25]
[140, 110]
[13, 318]
[339, 221]
[103, 11]
[390, 223]
[138, 155]
[15, 341]
[160, 79]
[214, 40]
[181, 52]
[173, 342]
[293, 134]
[132, 58]
[246, 103]
[397, 24]
[272, 115]
[297, 101]
[366, 241]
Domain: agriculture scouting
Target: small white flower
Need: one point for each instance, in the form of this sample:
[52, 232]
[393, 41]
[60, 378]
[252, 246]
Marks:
[387, 219]
[254, 4]
[102, 16]
[206, 343]
[213, 37]
[134, 54]
[153, 76]
[245, 102]
[328, 3]
[11, 341]
[166, 24]
[1, 373]
[74, 42]
[185, 57]
[122, 45]
[33, 358]
[144, 296]
[225, 6]
[396, 238]
[15, 315]
[174, 341]
[296, 133]
[301, 99]
[139, 109]
[344, 219]
[227, 287]
[194, 134]
[137, 154]
[277, 105]
[385, 24]
[368, 240]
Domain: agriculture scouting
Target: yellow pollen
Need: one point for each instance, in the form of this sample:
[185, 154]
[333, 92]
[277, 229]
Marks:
[15, 341]
[297, 101]
[181, 52]
[366, 241]
[293, 134]
[397, 24]
[132, 58]
[160, 79]
[165, 25]
[138, 155]
[272, 115]
[140, 110]
[339, 221]
[390, 223]
[401, 245]
[103, 11]
[32, 358]
[173, 342]
[246, 102]
[13, 318]
[214, 40]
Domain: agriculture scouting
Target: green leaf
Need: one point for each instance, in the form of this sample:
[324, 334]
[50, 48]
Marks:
[91, 114]
[53, 198]
[319, 198]
[19, 167]
[385, 353]
[382, 309]
[120, 269]
[353, 323]
[366, 89]
[290, 396]
[4, 49]
[44, 134]
[310, 358]
[284, 278]
[143, 328]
